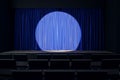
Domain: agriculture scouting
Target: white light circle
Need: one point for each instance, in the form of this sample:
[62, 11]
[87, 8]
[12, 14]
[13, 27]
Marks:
[58, 31]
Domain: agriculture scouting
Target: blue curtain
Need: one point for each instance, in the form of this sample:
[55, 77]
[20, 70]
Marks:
[91, 22]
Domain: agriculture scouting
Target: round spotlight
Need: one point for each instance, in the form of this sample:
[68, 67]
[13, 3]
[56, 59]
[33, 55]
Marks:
[58, 31]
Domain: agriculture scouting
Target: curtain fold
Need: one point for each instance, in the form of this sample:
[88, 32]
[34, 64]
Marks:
[90, 20]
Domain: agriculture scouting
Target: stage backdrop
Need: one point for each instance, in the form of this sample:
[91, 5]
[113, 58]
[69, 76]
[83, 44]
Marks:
[90, 21]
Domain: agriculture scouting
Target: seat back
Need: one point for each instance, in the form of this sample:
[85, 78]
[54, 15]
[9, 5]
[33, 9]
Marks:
[27, 75]
[38, 63]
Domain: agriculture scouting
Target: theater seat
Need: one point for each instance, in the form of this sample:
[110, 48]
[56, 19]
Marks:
[59, 75]
[80, 63]
[27, 75]
[99, 57]
[59, 64]
[5, 56]
[110, 63]
[92, 75]
[20, 57]
[77, 56]
[7, 64]
[43, 56]
[60, 56]
[38, 64]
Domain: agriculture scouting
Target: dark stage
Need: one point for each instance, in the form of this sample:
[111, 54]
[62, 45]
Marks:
[35, 33]
[67, 52]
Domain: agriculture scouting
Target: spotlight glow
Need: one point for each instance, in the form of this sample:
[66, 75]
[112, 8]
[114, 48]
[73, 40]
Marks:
[58, 31]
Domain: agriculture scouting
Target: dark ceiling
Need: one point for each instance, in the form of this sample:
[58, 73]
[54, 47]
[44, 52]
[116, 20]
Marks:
[58, 3]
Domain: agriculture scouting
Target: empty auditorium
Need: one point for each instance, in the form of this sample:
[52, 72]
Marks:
[59, 40]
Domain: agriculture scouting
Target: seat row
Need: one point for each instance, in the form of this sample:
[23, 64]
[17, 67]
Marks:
[60, 64]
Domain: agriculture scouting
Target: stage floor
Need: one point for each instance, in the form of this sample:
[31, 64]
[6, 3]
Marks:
[65, 52]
